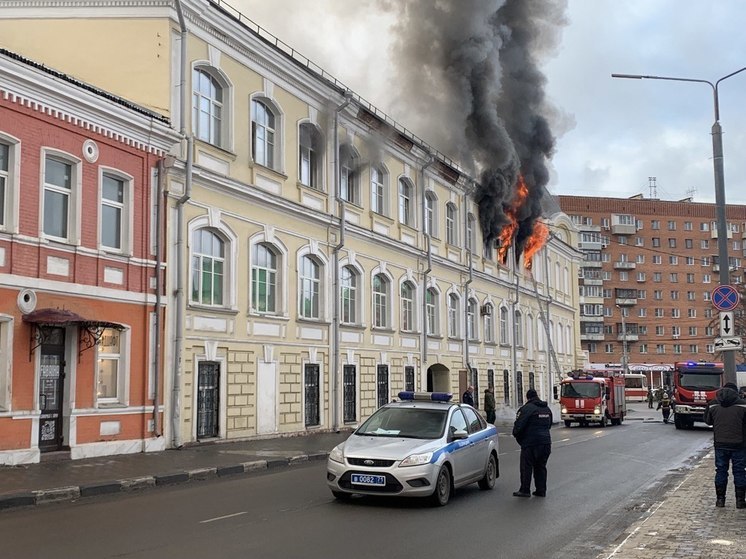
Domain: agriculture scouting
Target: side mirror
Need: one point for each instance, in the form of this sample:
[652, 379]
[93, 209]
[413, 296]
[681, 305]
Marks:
[459, 435]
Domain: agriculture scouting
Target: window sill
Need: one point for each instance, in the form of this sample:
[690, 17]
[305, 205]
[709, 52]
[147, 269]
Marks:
[262, 168]
[319, 191]
[352, 326]
[383, 330]
[317, 321]
[110, 405]
[223, 151]
[267, 316]
[434, 337]
[207, 308]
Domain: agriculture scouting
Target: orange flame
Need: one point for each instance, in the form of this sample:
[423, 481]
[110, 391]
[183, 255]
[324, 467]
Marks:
[538, 238]
[506, 235]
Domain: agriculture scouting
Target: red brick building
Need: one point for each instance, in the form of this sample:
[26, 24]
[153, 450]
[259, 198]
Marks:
[78, 259]
[650, 266]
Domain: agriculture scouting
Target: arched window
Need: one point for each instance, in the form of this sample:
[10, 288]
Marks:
[407, 307]
[208, 99]
[451, 224]
[349, 180]
[311, 155]
[504, 338]
[381, 301]
[431, 214]
[378, 189]
[431, 304]
[453, 316]
[264, 279]
[310, 283]
[471, 233]
[208, 268]
[489, 323]
[263, 134]
[518, 329]
[472, 312]
[406, 202]
[349, 294]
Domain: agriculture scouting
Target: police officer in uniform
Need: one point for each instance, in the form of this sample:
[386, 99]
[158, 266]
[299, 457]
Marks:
[531, 430]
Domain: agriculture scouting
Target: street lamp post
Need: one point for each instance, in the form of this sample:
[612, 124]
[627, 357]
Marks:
[625, 354]
[729, 358]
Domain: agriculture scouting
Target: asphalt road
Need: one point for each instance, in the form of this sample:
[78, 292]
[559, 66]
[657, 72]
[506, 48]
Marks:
[600, 481]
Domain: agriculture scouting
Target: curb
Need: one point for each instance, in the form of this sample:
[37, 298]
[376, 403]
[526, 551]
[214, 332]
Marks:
[76, 492]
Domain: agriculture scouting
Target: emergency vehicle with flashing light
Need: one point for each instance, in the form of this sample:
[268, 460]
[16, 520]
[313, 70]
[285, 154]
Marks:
[593, 398]
[694, 384]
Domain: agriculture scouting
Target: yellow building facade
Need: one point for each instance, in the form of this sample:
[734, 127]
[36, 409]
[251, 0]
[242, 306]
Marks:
[320, 257]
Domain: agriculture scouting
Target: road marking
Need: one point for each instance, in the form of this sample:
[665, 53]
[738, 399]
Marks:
[223, 517]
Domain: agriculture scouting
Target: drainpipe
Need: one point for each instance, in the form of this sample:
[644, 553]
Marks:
[469, 248]
[427, 239]
[342, 223]
[158, 269]
[180, 245]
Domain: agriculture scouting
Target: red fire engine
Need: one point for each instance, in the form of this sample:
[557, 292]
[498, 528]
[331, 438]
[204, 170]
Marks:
[694, 384]
[593, 398]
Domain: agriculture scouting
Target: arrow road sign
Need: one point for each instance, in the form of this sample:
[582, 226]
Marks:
[728, 344]
[725, 297]
[726, 324]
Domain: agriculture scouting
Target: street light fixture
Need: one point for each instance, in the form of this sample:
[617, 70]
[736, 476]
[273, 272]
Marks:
[729, 358]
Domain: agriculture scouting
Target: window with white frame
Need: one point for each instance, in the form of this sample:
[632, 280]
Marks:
[489, 323]
[378, 190]
[407, 323]
[208, 107]
[349, 178]
[60, 197]
[115, 219]
[310, 288]
[660, 348]
[208, 268]
[431, 307]
[471, 233]
[406, 202]
[453, 315]
[675, 313]
[310, 151]
[264, 130]
[111, 377]
[504, 339]
[264, 279]
[381, 301]
[431, 214]
[472, 312]
[4, 183]
[6, 347]
[518, 325]
[692, 313]
[451, 224]
[349, 294]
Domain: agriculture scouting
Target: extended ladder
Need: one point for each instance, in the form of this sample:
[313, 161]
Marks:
[545, 322]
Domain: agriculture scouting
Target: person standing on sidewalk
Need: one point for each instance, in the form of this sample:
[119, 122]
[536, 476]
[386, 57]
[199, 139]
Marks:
[489, 404]
[665, 406]
[468, 396]
[727, 414]
[650, 398]
[531, 429]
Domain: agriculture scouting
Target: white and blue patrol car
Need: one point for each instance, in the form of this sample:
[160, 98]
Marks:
[421, 446]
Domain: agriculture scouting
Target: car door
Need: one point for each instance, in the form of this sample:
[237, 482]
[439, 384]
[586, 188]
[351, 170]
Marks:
[480, 445]
[461, 459]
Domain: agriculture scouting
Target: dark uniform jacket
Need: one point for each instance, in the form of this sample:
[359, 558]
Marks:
[727, 413]
[532, 424]
[489, 401]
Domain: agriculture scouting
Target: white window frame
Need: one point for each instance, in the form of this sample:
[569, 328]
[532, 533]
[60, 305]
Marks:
[349, 177]
[201, 256]
[432, 309]
[454, 315]
[6, 361]
[489, 323]
[350, 307]
[275, 274]
[11, 184]
[406, 202]
[504, 336]
[310, 287]
[378, 196]
[472, 314]
[310, 157]
[381, 301]
[408, 307]
[272, 146]
[451, 224]
[431, 213]
[121, 398]
[219, 106]
[74, 202]
[125, 208]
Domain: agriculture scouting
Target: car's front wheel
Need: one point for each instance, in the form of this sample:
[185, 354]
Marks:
[490, 474]
[442, 492]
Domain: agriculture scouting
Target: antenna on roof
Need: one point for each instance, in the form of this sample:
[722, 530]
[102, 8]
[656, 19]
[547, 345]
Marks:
[691, 192]
[653, 188]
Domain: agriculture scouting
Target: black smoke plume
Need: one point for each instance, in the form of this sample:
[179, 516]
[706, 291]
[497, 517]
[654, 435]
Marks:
[468, 78]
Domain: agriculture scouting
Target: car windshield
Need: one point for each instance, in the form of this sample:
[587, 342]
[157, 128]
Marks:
[581, 390]
[695, 381]
[410, 423]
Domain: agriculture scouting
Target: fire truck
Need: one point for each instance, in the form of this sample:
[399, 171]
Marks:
[694, 384]
[596, 397]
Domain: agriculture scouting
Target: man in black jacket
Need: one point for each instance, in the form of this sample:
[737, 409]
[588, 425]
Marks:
[531, 429]
[727, 414]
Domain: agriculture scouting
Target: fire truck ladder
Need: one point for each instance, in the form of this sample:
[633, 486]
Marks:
[545, 322]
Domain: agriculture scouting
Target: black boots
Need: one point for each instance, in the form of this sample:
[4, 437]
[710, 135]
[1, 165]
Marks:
[741, 497]
[720, 492]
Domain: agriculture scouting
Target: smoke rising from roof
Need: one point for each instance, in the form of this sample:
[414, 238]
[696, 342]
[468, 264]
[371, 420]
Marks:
[474, 64]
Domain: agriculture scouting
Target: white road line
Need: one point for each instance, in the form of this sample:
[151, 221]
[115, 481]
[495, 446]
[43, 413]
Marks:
[223, 517]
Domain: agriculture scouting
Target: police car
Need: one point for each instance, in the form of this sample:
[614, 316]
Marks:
[421, 446]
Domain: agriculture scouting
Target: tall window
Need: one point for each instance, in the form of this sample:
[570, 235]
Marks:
[451, 224]
[109, 366]
[113, 214]
[208, 107]
[504, 339]
[470, 232]
[431, 304]
[349, 284]
[430, 214]
[472, 312]
[518, 329]
[264, 279]
[310, 151]
[4, 180]
[262, 134]
[489, 324]
[453, 318]
[377, 190]
[58, 179]
[208, 268]
[405, 202]
[407, 307]
[349, 382]
[380, 301]
[348, 176]
[310, 282]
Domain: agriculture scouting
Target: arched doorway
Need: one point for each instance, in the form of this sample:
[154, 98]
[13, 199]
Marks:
[438, 378]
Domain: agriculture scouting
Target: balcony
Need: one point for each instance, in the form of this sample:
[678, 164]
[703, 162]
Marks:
[591, 264]
[625, 301]
[596, 337]
[594, 318]
[714, 233]
[591, 300]
[592, 281]
[619, 229]
[591, 245]
[631, 337]
[624, 265]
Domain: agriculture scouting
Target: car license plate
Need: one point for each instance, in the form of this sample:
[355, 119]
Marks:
[361, 479]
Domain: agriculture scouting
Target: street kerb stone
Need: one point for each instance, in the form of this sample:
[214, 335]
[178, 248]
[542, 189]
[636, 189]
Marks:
[318, 456]
[57, 494]
[202, 473]
[172, 478]
[296, 459]
[12, 500]
[254, 466]
[137, 483]
[230, 470]
[102, 488]
[277, 463]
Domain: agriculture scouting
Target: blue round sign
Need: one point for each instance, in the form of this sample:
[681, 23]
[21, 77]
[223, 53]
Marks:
[725, 297]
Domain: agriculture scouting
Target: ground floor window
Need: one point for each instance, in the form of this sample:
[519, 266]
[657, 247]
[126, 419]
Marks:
[349, 393]
[409, 378]
[208, 399]
[519, 387]
[312, 394]
[111, 367]
[506, 386]
[382, 384]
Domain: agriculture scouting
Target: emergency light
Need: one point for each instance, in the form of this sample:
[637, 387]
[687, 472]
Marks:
[432, 396]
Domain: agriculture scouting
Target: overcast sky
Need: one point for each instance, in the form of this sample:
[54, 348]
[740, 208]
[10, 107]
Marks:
[612, 134]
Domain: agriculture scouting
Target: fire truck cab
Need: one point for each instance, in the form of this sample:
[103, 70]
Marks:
[694, 384]
[587, 398]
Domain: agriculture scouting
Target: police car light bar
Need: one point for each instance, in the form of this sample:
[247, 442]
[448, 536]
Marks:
[431, 396]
